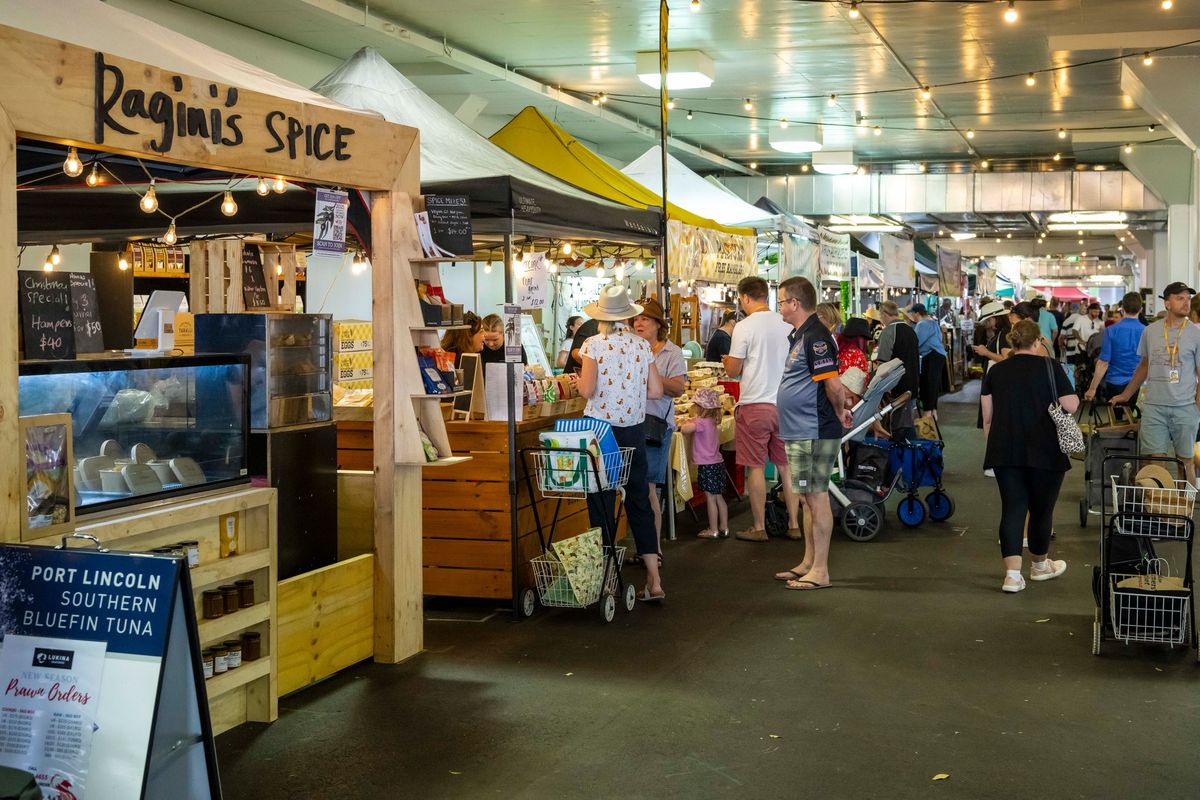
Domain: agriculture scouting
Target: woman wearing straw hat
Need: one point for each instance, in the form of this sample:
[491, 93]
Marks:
[617, 378]
[651, 325]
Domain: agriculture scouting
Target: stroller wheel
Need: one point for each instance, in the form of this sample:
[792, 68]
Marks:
[941, 507]
[862, 521]
[1083, 512]
[911, 511]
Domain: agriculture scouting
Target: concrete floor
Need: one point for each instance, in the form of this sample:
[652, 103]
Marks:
[915, 665]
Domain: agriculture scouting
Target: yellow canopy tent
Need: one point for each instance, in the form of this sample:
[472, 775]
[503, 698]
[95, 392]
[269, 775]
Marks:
[533, 138]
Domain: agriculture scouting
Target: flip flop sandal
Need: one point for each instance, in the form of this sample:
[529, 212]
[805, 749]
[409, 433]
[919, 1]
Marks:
[791, 575]
[646, 597]
[806, 586]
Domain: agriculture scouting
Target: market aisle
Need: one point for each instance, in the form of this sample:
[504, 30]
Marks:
[914, 665]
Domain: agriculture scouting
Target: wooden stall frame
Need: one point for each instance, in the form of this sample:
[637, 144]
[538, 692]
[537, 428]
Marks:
[60, 92]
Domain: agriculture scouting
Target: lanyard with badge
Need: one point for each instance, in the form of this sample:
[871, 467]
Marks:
[1172, 352]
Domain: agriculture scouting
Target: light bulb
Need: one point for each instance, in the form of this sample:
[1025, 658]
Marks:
[753, 165]
[263, 188]
[1030, 79]
[1147, 59]
[93, 178]
[1152, 127]
[228, 206]
[169, 237]
[854, 13]
[941, 232]
[747, 104]
[970, 133]
[47, 266]
[926, 93]
[639, 264]
[595, 99]
[55, 256]
[1010, 13]
[1128, 149]
[553, 268]
[1081, 241]
[519, 259]
[603, 97]
[487, 269]
[984, 164]
[599, 272]
[620, 273]
[804, 167]
[997, 240]
[1008, 236]
[279, 186]
[832, 101]
[695, 5]
[566, 248]
[1167, 5]
[689, 116]
[1062, 133]
[1120, 247]
[783, 123]
[73, 166]
[149, 201]
[1058, 156]
[671, 104]
[123, 263]
[279, 269]
[878, 131]
[921, 167]
[1084, 254]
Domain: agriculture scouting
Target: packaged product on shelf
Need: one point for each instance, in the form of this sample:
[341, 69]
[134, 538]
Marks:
[353, 365]
[352, 336]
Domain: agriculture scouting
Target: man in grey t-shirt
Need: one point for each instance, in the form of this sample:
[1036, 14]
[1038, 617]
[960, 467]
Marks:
[1170, 368]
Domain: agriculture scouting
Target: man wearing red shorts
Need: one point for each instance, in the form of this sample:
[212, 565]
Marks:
[757, 355]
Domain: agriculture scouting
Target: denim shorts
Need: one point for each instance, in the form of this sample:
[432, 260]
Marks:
[657, 457]
[1169, 430]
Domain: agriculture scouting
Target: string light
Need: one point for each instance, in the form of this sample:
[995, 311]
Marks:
[93, 178]
[804, 167]
[279, 269]
[1147, 59]
[280, 185]
[169, 237]
[1167, 5]
[926, 93]
[47, 266]
[748, 104]
[878, 131]
[695, 5]
[228, 206]
[689, 114]
[921, 167]
[487, 268]
[55, 256]
[1062, 133]
[1010, 13]
[599, 272]
[854, 13]
[553, 268]
[149, 201]
[1031, 79]
[1152, 127]
[1058, 156]
[832, 101]
[970, 133]
[358, 264]
[123, 263]
[783, 123]
[753, 165]
[1128, 149]
[595, 99]
[603, 98]
[984, 164]
[566, 248]
[619, 273]
[263, 188]
[671, 104]
[72, 165]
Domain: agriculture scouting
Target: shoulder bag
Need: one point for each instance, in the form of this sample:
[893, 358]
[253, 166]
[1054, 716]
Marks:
[1070, 438]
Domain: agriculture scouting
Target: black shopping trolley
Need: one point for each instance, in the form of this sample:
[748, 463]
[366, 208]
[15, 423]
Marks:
[1137, 598]
[593, 575]
[1106, 441]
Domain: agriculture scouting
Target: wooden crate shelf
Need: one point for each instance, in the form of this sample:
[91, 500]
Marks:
[221, 628]
[226, 568]
[226, 682]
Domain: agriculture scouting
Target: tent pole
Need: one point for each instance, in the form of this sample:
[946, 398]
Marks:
[664, 290]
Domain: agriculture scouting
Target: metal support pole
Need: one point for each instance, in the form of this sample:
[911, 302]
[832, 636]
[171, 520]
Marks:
[664, 289]
[511, 381]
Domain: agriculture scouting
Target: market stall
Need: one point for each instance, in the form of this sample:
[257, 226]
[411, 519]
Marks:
[158, 474]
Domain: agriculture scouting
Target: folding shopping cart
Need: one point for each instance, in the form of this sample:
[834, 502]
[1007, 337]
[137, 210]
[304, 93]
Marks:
[1105, 439]
[566, 473]
[1137, 599]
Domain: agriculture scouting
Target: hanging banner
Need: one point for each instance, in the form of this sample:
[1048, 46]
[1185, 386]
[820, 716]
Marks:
[898, 259]
[702, 254]
[928, 283]
[329, 221]
[532, 278]
[985, 281]
[870, 273]
[512, 334]
[835, 254]
[798, 258]
[949, 272]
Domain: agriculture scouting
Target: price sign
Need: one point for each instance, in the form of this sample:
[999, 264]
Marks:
[85, 313]
[47, 324]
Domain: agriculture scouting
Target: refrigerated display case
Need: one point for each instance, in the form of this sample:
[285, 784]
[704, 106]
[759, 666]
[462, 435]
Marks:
[144, 428]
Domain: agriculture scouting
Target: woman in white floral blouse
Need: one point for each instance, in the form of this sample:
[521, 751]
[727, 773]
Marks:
[617, 377]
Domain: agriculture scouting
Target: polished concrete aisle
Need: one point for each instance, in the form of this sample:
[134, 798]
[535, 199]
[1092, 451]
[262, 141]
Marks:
[915, 665]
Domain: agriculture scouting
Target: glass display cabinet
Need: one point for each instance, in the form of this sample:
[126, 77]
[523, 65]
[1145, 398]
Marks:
[146, 428]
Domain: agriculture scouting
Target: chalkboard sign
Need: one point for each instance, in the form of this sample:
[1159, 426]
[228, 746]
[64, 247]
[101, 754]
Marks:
[450, 222]
[47, 327]
[85, 313]
[254, 285]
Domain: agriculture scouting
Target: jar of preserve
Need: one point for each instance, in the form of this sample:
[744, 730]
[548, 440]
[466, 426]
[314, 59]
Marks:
[251, 646]
[220, 660]
[192, 548]
[245, 592]
[214, 603]
[233, 659]
[207, 658]
[232, 597]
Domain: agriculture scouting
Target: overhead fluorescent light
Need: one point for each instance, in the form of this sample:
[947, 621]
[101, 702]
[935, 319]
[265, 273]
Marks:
[834, 162]
[863, 223]
[1074, 217]
[797, 138]
[962, 236]
[686, 69]
[1088, 226]
[880, 228]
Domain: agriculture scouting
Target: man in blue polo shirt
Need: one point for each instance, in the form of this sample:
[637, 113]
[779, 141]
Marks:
[1119, 352]
[812, 419]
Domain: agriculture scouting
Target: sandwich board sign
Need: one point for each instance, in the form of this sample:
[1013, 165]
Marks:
[101, 689]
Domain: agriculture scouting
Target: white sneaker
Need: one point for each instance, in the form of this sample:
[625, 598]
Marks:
[1050, 571]
[989, 473]
[1012, 587]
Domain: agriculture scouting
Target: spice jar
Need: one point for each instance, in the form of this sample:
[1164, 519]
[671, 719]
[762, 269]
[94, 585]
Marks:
[192, 548]
[232, 598]
[220, 660]
[234, 658]
[251, 646]
[245, 592]
[207, 657]
[214, 603]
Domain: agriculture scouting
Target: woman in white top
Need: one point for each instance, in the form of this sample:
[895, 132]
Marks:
[617, 377]
[564, 349]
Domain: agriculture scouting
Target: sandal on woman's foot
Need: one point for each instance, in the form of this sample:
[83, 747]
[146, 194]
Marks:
[709, 535]
[790, 575]
[646, 597]
[725, 533]
[806, 585]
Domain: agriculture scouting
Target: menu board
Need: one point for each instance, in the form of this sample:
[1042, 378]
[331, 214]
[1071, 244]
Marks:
[47, 324]
[450, 222]
[85, 313]
[254, 285]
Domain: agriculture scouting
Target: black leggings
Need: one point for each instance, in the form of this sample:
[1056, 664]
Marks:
[637, 495]
[1024, 490]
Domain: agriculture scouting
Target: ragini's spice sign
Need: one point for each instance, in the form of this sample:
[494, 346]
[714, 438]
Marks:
[172, 114]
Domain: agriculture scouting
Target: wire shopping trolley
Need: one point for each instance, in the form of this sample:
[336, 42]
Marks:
[589, 571]
[1137, 598]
